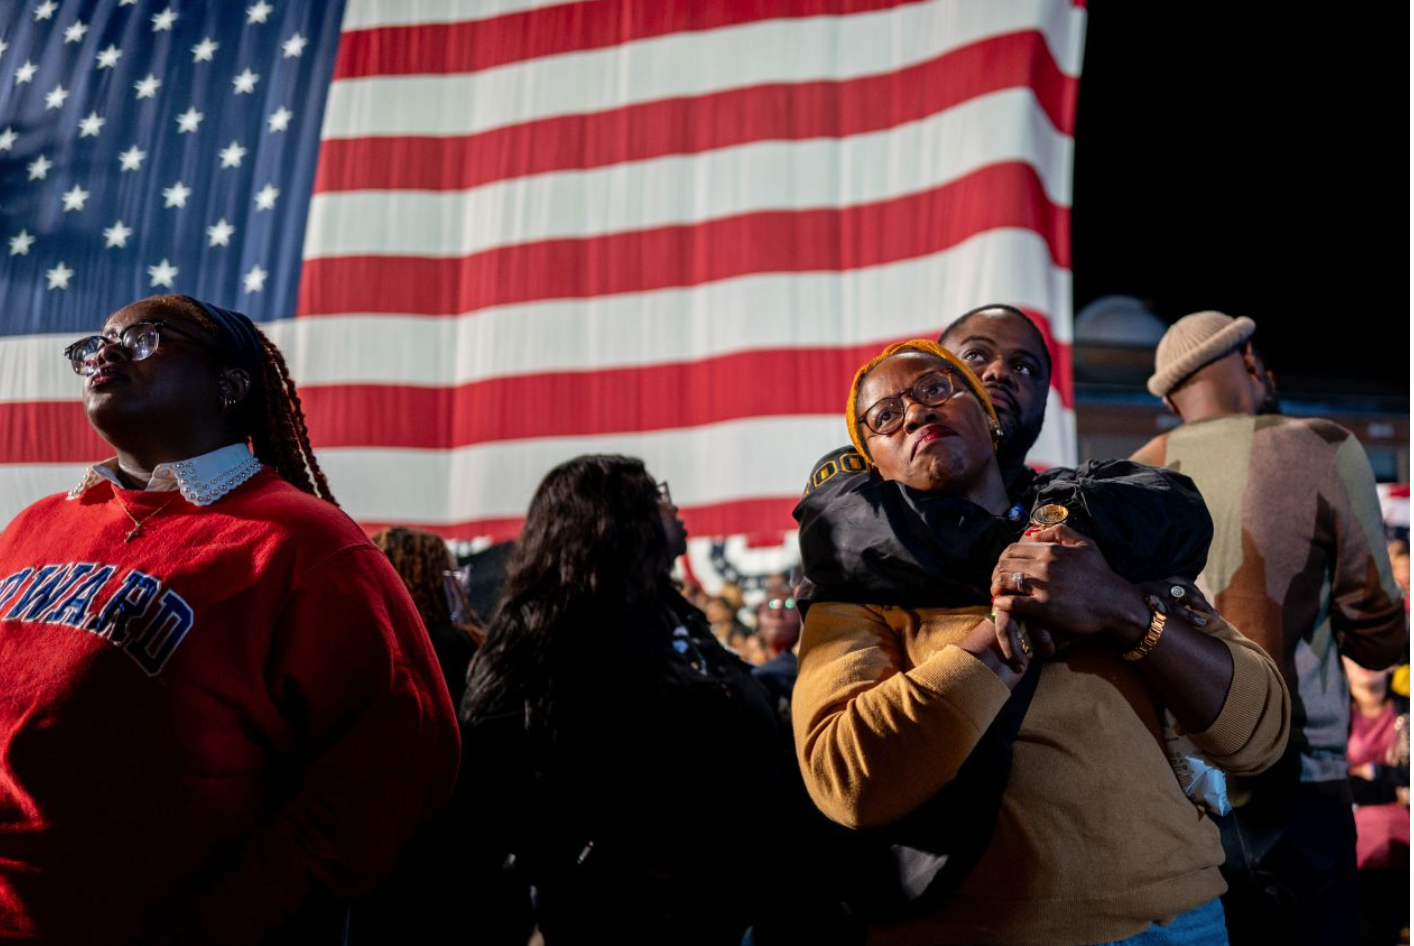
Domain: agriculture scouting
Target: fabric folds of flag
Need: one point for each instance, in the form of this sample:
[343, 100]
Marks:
[666, 229]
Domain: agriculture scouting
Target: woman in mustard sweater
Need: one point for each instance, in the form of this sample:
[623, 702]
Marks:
[1095, 840]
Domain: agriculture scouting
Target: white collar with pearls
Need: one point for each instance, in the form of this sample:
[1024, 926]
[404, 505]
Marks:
[201, 480]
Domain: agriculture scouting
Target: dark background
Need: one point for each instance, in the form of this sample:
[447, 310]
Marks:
[1253, 158]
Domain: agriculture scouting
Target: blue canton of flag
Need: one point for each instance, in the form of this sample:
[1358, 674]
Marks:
[149, 146]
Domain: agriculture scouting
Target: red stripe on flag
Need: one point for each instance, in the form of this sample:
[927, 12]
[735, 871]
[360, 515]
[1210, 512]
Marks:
[623, 400]
[586, 403]
[751, 517]
[780, 112]
[1001, 195]
[604, 402]
[48, 432]
[432, 48]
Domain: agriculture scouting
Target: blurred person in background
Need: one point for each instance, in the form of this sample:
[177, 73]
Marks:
[778, 627]
[731, 633]
[721, 616]
[695, 595]
[429, 571]
[1399, 562]
[1379, 781]
[731, 593]
[747, 644]
[777, 621]
[604, 724]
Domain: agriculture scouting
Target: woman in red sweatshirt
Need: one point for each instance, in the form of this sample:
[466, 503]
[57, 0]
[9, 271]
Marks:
[221, 716]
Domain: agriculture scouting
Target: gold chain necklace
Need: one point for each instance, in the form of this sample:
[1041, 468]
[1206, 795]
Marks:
[136, 530]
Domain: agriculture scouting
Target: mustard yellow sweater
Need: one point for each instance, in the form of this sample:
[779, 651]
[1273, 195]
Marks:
[1095, 839]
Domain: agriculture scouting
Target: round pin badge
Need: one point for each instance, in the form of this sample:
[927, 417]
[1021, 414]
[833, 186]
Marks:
[1050, 514]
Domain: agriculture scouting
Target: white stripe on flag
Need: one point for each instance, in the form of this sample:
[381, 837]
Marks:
[23, 483]
[367, 14]
[704, 465]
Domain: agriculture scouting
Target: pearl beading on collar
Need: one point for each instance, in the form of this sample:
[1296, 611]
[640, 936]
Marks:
[204, 493]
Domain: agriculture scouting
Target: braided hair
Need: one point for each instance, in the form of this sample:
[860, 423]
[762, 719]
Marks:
[281, 438]
[420, 558]
[274, 424]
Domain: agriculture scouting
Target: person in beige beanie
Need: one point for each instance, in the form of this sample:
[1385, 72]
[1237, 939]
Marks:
[1193, 356]
[1298, 563]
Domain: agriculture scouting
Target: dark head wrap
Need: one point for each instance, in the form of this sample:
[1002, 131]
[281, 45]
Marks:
[240, 340]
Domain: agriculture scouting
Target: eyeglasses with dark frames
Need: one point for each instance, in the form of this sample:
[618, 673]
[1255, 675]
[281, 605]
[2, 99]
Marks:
[665, 494]
[139, 340]
[886, 415]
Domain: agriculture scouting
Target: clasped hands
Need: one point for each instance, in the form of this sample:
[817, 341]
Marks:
[1059, 582]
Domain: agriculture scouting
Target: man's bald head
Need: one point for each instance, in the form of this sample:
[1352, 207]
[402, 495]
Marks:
[992, 313]
[1007, 351]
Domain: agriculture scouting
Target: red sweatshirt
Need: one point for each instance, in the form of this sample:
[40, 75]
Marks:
[205, 727]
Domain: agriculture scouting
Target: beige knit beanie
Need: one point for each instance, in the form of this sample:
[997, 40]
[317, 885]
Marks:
[1195, 341]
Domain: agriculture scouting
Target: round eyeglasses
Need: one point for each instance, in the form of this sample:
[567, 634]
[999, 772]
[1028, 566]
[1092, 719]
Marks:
[139, 340]
[780, 604]
[886, 415]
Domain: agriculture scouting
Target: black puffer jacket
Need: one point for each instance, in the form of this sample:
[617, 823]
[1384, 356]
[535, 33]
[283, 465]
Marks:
[865, 539]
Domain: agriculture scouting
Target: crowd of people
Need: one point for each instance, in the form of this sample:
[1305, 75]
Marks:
[1132, 702]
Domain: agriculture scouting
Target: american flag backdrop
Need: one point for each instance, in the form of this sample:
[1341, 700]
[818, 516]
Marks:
[494, 234]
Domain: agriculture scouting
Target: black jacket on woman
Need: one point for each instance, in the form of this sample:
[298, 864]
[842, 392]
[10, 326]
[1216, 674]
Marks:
[623, 815]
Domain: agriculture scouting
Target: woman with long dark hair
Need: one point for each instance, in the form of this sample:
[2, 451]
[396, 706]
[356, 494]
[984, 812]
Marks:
[220, 718]
[604, 726]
